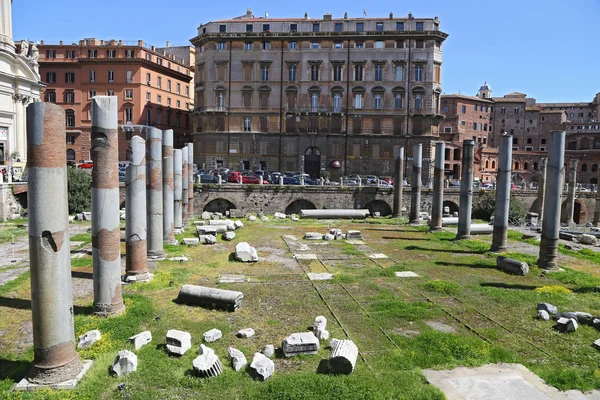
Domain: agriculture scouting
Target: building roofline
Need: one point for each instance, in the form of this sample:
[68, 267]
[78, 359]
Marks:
[466, 97]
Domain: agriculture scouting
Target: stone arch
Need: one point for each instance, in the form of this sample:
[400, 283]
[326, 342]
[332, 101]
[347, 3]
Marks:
[579, 212]
[380, 206]
[300, 204]
[219, 205]
[71, 155]
[452, 205]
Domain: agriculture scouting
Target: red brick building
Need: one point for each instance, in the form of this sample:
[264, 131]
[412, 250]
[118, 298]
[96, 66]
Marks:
[153, 88]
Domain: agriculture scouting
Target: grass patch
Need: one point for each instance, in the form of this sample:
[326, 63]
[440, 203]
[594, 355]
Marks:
[7, 233]
[85, 237]
[583, 254]
[528, 258]
[15, 283]
[81, 262]
[554, 290]
[350, 250]
[441, 286]
[518, 236]
[402, 310]
[580, 279]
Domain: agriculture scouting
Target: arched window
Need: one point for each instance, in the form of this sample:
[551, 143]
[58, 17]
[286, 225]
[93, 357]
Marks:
[517, 165]
[594, 167]
[312, 151]
[487, 164]
[525, 166]
[70, 155]
[584, 167]
[493, 164]
[584, 144]
[535, 166]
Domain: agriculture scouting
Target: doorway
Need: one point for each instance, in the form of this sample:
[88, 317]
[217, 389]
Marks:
[312, 162]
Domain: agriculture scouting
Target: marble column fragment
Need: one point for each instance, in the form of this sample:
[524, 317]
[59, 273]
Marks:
[55, 358]
[168, 188]
[190, 180]
[571, 191]
[500, 234]
[466, 191]
[184, 185]
[177, 185]
[415, 195]
[437, 208]
[136, 248]
[398, 181]
[106, 234]
[542, 190]
[154, 193]
[554, 183]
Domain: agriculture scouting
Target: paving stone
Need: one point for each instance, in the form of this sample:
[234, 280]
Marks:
[245, 333]
[212, 336]
[377, 256]
[178, 342]
[141, 339]
[406, 274]
[88, 339]
[355, 241]
[313, 236]
[289, 237]
[232, 279]
[262, 367]
[238, 359]
[305, 256]
[300, 343]
[324, 276]
[353, 234]
[124, 363]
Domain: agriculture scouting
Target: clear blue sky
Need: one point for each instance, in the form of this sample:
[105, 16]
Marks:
[548, 49]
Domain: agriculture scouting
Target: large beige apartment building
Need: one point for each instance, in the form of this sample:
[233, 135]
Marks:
[315, 94]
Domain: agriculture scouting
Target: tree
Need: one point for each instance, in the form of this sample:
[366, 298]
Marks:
[486, 204]
[79, 186]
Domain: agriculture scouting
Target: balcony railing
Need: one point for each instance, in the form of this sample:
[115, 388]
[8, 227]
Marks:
[333, 110]
[212, 109]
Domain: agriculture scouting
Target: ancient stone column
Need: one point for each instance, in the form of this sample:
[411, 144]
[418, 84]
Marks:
[597, 210]
[55, 358]
[280, 180]
[190, 180]
[572, 189]
[437, 208]
[500, 234]
[106, 234]
[184, 185]
[541, 190]
[466, 191]
[398, 180]
[415, 195]
[168, 188]
[178, 190]
[154, 193]
[136, 258]
[554, 183]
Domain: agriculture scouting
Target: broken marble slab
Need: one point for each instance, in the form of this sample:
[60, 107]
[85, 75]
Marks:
[238, 359]
[232, 279]
[124, 363]
[88, 339]
[305, 256]
[261, 367]
[178, 342]
[323, 276]
[191, 241]
[212, 336]
[245, 333]
[376, 256]
[300, 343]
[406, 274]
[141, 339]
[245, 253]
[207, 364]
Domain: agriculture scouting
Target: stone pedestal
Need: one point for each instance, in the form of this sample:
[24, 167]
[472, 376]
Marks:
[466, 191]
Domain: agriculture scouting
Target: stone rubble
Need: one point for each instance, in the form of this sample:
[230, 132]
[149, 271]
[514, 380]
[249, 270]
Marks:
[191, 241]
[279, 215]
[206, 215]
[406, 274]
[180, 259]
[268, 350]
[566, 325]
[264, 218]
[547, 307]
[207, 364]
[262, 367]
[238, 224]
[245, 253]
[141, 339]
[319, 328]
[238, 359]
[251, 218]
[228, 236]
[178, 342]
[124, 363]
[587, 239]
[206, 230]
[232, 279]
[300, 343]
[543, 315]
[596, 344]
[88, 339]
[337, 233]
[207, 239]
[354, 235]
[245, 333]
[328, 237]
[313, 236]
[212, 336]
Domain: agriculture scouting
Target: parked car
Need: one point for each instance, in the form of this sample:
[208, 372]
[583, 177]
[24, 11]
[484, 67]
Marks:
[274, 177]
[250, 179]
[85, 164]
[233, 176]
[208, 178]
[290, 180]
[385, 184]
[122, 175]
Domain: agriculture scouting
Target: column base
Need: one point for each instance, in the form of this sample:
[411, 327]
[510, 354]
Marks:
[462, 237]
[156, 255]
[498, 249]
[551, 270]
[179, 231]
[415, 222]
[173, 242]
[145, 277]
[108, 310]
[435, 228]
[26, 385]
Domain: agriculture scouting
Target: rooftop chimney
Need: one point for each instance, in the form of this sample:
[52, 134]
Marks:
[391, 15]
[305, 15]
[327, 17]
[345, 15]
[168, 43]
